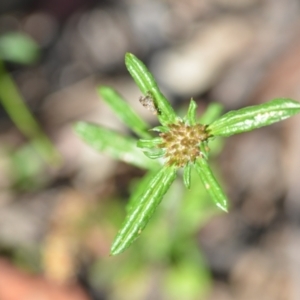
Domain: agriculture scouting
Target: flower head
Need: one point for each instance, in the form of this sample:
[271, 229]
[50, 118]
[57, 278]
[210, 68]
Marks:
[181, 143]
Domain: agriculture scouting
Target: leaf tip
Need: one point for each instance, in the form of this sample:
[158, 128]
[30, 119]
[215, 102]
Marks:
[112, 253]
[223, 206]
[102, 89]
[106, 93]
[129, 56]
[116, 249]
[79, 126]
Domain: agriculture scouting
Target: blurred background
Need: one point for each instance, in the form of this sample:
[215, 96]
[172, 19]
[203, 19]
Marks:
[61, 203]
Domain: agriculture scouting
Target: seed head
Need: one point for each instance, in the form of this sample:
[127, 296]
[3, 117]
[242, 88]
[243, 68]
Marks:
[182, 143]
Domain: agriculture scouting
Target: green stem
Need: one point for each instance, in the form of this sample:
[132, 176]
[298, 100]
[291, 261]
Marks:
[15, 107]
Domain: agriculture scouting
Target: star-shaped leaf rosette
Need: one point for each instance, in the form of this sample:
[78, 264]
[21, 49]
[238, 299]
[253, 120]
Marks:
[176, 143]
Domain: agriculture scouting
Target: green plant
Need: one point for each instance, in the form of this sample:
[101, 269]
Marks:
[179, 143]
[19, 48]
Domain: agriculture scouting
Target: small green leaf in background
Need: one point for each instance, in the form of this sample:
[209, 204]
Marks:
[212, 112]
[18, 48]
[253, 117]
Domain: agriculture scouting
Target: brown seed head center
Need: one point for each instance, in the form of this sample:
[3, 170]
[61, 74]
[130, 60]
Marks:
[182, 143]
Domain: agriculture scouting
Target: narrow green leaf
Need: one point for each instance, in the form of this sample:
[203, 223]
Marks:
[150, 149]
[204, 149]
[211, 184]
[160, 129]
[148, 86]
[139, 216]
[190, 117]
[113, 143]
[252, 117]
[187, 176]
[154, 153]
[139, 189]
[124, 111]
[149, 143]
[140, 73]
[212, 112]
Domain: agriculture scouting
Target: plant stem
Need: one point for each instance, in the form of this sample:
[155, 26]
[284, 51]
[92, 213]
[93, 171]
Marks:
[16, 108]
